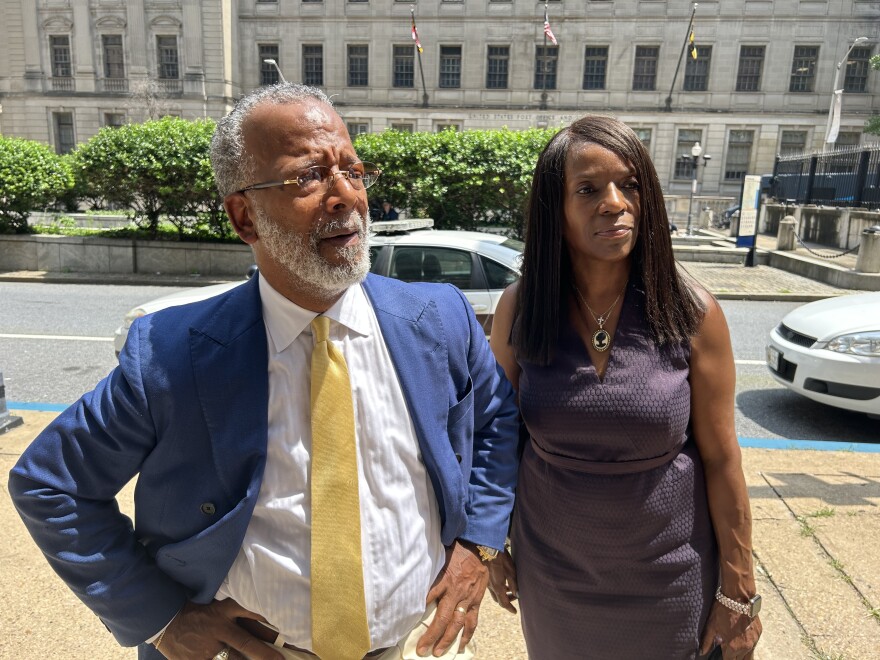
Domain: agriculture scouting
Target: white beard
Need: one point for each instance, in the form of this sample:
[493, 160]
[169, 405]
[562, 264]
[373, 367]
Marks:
[299, 255]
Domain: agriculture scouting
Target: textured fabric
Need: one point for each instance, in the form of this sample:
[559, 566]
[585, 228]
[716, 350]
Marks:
[339, 625]
[613, 544]
[400, 520]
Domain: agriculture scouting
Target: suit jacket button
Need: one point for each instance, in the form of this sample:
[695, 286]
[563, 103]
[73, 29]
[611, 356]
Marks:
[208, 509]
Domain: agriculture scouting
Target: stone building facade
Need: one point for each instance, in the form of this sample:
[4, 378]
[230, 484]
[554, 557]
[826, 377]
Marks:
[761, 83]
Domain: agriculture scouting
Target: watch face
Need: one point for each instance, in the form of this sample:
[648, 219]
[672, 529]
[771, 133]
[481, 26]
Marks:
[754, 605]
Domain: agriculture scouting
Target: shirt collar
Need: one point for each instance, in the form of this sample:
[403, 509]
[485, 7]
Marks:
[285, 320]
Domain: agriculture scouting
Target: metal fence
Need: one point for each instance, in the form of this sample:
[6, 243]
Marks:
[844, 177]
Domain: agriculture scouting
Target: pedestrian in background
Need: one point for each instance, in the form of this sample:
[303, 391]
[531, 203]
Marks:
[631, 535]
[388, 211]
[314, 478]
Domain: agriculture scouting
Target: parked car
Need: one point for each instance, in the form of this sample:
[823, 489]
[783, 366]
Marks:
[482, 265]
[829, 351]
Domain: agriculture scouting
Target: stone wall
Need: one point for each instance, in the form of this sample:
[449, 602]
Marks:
[835, 227]
[88, 254]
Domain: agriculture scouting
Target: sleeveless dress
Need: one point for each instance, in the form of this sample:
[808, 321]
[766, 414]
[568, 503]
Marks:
[614, 549]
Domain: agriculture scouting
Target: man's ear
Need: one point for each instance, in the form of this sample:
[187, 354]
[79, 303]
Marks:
[238, 208]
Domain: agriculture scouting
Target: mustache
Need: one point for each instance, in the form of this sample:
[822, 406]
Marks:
[353, 223]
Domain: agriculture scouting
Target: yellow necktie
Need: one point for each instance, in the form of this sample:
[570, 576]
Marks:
[339, 610]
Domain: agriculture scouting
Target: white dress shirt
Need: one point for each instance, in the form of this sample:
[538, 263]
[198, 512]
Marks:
[400, 521]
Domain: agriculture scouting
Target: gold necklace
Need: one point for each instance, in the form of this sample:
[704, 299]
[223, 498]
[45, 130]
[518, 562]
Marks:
[601, 339]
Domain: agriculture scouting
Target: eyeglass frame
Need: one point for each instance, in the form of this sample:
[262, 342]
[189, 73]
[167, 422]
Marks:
[333, 175]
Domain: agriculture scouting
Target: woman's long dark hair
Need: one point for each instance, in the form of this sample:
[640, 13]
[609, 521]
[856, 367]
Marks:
[673, 308]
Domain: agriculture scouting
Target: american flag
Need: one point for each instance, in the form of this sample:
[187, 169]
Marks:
[548, 32]
[415, 33]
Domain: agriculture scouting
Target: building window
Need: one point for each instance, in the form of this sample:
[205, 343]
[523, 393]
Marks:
[450, 66]
[114, 119]
[268, 73]
[404, 59]
[166, 49]
[684, 167]
[356, 128]
[358, 66]
[696, 71]
[444, 126]
[792, 142]
[402, 127]
[856, 78]
[60, 47]
[64, 138]
[751, 66]
[645, 71]
[595, 66]
[739, 154]
[644, 135]
[497, 62]
[313, 64]
[545, 66]
[849, 139]
[114, 56]
[803, 68]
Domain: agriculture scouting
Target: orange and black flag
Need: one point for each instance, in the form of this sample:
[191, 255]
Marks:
[693, 46]
[415, 32]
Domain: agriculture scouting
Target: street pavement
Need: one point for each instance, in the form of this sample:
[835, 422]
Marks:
[816, 534]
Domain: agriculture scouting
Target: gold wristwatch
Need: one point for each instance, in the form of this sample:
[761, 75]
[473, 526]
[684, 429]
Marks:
[487, 553]
[750, 609]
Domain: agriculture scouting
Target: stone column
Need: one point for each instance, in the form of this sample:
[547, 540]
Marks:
[136, 48]
[785, 237]
[194, 75]
[33, 68]
[869, 251]
[82, 48]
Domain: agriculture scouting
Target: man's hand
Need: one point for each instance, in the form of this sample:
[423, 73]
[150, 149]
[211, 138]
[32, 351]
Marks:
[202, 631]
[735, 633]
[458, 591]
[502, 581]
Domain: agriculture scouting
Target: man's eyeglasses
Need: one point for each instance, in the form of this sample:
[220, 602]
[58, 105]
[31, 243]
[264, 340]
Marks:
[321, 178]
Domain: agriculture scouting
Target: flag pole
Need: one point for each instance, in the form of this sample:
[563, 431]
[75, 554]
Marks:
[412, 12]
[544, 65]
[687, 35]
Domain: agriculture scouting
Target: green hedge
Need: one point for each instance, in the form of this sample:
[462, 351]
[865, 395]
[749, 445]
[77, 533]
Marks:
[160, 171]
[460, 179]
[32, 178]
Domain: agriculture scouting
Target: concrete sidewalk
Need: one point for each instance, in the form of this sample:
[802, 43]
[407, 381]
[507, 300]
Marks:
[816, 539]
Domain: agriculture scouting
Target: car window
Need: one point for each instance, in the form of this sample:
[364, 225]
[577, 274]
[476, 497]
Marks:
[375, 250]
[431, 264]
[498, 276]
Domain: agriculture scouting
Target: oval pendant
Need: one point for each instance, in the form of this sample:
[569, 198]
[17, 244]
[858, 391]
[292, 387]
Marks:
[601, 340]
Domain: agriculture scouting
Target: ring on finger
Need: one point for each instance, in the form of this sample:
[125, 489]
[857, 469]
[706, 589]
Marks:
[223, 654]
[461, 609]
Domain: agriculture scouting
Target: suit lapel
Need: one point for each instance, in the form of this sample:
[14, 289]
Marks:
[230, 362]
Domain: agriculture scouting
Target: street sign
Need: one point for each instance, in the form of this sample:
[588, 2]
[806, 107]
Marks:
[748, 211]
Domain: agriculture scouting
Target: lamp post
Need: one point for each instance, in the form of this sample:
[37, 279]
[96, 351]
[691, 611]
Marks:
[277, 68]
[834, 90]
[694, 158]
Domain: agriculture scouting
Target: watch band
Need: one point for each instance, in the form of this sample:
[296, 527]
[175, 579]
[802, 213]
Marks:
[487, 553]
[749, 609]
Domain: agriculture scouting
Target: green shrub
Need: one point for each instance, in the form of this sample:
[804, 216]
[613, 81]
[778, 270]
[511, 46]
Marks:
[32, 178]
[157, 169]
[462, 180]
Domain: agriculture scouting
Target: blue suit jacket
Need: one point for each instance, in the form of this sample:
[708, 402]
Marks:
[186, 411]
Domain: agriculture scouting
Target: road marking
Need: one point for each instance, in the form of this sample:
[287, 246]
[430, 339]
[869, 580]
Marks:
[57, 337]
[761, 362]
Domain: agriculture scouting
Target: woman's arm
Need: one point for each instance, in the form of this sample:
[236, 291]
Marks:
[713, 386]
[499, 338]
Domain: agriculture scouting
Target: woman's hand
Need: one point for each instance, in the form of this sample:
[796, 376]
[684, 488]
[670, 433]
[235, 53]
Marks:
[502, 581]
[735, 633]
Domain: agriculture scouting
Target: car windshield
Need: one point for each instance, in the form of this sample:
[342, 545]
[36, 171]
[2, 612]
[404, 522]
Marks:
[514, 244]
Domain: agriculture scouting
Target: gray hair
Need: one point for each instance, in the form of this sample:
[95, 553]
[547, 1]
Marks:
[231, 164]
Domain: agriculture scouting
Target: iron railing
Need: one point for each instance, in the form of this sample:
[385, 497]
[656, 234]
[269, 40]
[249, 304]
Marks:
[843, 177]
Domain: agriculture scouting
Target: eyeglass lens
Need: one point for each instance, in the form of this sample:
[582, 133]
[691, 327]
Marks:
[359, 175]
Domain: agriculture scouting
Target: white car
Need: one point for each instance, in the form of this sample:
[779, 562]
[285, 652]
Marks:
[482, 265]
[829, 351]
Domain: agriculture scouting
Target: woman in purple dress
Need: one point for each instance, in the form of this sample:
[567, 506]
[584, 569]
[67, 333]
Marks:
[631, 536]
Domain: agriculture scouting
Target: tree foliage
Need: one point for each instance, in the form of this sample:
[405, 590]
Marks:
[462, 180]
[873, 123]
[32, 178]
[157, 169]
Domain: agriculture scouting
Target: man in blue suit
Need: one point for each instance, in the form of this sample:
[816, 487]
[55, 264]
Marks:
[210, 408]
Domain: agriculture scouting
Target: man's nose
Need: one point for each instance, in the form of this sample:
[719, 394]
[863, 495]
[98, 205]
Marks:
[341, 192]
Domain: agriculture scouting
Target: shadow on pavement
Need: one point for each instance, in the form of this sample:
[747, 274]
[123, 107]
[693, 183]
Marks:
[789, 415]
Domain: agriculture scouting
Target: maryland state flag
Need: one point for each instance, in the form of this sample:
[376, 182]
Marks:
[415, 32]
[693, 47]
